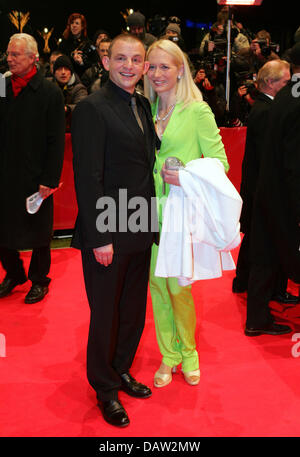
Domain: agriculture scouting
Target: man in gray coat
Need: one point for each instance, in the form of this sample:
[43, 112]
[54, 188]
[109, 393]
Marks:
[32, 131]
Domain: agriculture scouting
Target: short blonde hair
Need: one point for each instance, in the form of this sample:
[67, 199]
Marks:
[187, 91]
[30, 43]
[124, 37]
[271, 71]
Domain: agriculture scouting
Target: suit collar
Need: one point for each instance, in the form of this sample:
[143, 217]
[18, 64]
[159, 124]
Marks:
[264, 97]
[119, 103]
[126, 96]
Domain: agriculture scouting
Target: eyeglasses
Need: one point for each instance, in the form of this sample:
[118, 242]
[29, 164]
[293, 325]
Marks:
[15, 55]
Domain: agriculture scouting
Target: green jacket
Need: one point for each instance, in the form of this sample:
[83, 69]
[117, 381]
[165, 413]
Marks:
[191, 133]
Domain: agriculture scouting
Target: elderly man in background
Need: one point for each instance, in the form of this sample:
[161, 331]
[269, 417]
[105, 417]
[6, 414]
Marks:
[271, 78]
[32, 130]
[275, 229]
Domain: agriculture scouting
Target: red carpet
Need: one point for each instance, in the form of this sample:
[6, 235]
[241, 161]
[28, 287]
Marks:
[249, 386]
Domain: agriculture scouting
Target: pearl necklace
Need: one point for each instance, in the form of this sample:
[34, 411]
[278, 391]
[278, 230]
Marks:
[158, 118]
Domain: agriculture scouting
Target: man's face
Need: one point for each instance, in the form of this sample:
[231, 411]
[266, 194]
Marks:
[103, 49]
[171, 33]
[126, 65]
[20, 61]
[63, 75]
[137, 30]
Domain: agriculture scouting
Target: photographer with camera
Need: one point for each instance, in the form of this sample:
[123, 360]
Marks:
[212, 90]
[260, 51]
[76, 44]
[173, 33]
[95, 76]
[137, 27]
[243, 96]
[216, 39]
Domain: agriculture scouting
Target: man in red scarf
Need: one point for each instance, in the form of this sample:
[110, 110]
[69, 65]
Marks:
[31, 155]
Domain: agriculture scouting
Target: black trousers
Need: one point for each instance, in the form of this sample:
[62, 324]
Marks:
[243, 267]
[117, 297]
[38, 269]
[262, 280]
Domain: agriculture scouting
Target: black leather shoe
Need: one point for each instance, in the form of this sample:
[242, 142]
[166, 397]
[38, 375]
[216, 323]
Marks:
[114, 413]
[286, 298]
[8, 285]
[36, 293]
[270, 329]
[134, 388]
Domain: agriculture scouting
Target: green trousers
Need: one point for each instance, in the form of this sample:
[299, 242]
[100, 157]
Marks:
[175, 319]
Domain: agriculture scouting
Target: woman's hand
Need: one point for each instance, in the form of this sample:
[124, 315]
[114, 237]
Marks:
[170, 176]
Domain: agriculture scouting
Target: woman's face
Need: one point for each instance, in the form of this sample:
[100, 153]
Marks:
[163, 72]
[76, 27]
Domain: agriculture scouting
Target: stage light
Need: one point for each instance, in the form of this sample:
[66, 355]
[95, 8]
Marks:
[240, 2]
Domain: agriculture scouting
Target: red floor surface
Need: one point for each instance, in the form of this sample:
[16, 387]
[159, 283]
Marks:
[249, 386]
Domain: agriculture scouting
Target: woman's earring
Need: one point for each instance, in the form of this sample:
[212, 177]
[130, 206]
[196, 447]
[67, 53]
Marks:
[178, 77]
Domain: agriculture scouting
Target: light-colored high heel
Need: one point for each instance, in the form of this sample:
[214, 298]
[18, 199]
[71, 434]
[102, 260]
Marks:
[192, 377]
[163, 376]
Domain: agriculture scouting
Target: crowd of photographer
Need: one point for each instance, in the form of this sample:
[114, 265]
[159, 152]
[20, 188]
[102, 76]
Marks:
[83, 72]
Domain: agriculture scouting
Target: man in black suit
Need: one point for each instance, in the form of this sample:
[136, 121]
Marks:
[271, 78]
[32, 137]
[275, 231]
[113, 164]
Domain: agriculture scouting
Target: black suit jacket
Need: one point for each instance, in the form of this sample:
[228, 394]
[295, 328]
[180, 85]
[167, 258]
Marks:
[276, 213]
[111, 153]
[256, 132]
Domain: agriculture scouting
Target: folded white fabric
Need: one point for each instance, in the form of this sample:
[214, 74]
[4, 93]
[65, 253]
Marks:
[200, 224]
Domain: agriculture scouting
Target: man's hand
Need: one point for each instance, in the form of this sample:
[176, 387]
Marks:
[104, 255]
[242, 91]
[77, 56]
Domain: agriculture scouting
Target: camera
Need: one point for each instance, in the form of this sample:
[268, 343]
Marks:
[178, 40]
[89, 52]
[266, 48]
[244, 78]
[250, 86]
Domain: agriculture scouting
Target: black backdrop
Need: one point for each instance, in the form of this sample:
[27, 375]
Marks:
[280, 21]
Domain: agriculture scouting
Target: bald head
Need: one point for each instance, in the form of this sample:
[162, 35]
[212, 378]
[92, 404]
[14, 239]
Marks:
[274, 75]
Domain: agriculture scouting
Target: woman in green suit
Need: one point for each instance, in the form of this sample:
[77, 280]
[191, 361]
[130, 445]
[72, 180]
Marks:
[187, 130]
